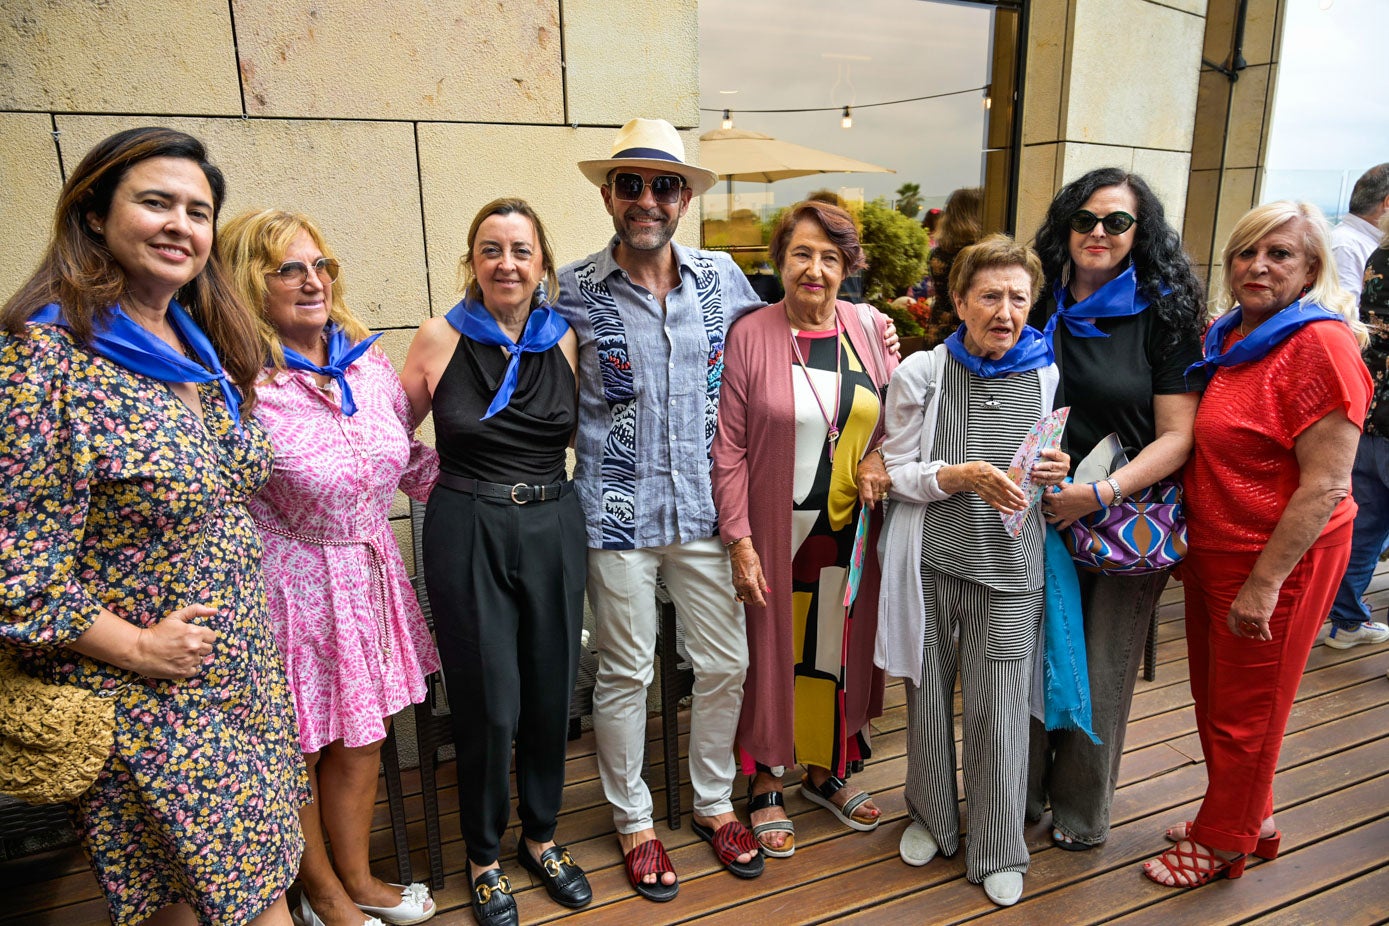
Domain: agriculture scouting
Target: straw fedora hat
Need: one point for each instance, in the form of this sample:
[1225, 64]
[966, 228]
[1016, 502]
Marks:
[653, 144]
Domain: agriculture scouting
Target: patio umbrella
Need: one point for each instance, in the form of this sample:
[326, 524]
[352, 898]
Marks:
[736, 154]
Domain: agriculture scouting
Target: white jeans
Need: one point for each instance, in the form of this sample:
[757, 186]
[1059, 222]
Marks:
[622, 593]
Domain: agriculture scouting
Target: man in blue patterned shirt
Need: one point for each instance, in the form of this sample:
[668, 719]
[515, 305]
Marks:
[651, 317]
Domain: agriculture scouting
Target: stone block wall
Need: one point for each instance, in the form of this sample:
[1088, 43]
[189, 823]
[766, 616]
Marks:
[388, 124]
[1109, 83]
[1232, 126]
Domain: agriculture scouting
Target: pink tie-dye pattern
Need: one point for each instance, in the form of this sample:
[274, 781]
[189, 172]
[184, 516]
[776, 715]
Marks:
[334, 480]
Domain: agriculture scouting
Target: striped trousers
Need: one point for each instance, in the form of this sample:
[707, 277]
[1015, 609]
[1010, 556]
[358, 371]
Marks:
[998, 633]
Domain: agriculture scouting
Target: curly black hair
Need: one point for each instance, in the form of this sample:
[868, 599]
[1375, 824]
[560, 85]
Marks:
[1157, 255]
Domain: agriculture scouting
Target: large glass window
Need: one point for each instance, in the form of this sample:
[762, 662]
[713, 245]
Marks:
[901, 102]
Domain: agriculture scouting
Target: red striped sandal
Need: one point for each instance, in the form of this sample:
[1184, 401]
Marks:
[731, 841]
[650, 858]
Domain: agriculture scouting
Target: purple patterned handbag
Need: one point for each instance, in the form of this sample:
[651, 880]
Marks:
[1144, 533]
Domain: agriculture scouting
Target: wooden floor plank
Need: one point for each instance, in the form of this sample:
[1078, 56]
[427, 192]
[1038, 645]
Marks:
[1360, 901]
[1332, 796]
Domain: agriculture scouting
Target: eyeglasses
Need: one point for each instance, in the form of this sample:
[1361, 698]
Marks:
[664, 189]
[293, 273]
[1116, 223]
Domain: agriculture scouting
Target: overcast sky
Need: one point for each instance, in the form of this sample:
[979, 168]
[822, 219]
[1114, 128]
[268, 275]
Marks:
[1331, 106]
[787, 54]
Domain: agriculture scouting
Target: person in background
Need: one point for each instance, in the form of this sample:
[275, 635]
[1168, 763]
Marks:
[1350, 613]
[1356, 235]
[797, 459]
[355, 646]
[1269, 518]
[129, 565]
[503, 547]
[956, 415]
[930, 221]
[961, 225]
[1123, 311]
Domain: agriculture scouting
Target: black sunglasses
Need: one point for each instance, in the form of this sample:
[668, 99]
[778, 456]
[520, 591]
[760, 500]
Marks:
[1116, 223]
[664, 189]
[293, 273]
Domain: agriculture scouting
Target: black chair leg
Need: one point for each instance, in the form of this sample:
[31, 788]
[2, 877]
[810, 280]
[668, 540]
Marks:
[395, 799]
[670, 722]
[429, 790]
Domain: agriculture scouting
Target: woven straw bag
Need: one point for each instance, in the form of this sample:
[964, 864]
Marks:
[54, 739]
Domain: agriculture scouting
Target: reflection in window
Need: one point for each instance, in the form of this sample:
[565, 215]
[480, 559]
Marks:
[886, 106]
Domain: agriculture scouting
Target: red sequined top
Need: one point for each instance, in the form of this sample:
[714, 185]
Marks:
[1243, 469]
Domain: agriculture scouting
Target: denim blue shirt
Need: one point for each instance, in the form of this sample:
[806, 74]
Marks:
[649, 394]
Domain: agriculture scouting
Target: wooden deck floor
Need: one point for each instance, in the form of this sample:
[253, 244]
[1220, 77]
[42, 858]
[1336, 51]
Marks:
[1332, 797]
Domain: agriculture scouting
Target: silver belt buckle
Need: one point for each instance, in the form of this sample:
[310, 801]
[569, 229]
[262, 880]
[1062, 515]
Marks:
[519, 485]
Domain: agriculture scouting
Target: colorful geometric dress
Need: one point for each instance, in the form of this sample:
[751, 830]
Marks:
[115, 495]
[355, 645]
[825, 509]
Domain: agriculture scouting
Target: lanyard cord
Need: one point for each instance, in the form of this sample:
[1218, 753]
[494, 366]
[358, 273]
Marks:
[832, 437]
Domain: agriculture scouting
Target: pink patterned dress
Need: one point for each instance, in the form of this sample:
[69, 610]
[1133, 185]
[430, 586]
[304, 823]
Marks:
[355, 645]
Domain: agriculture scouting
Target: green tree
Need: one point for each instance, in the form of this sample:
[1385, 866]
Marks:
[896, 247]
[909, 199]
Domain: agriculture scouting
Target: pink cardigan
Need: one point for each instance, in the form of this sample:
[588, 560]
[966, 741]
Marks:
[754, 458]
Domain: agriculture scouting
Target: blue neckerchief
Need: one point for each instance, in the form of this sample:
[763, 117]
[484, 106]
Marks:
[1261, 340]
[1119, 298]
[342, 353]
[1031, 352]
[118, 338]
[543, 330]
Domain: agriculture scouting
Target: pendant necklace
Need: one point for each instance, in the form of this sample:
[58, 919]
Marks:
[832, 437]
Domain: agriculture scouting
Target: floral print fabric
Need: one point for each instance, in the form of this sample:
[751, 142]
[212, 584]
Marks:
[355, 645]
[1374, 312]
[115, 496]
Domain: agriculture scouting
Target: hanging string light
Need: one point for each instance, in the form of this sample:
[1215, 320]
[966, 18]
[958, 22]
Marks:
[846, 117]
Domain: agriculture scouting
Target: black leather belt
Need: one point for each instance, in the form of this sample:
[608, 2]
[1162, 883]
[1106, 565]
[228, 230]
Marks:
[520, 493]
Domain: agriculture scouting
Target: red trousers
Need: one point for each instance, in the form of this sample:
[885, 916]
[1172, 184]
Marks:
[1244, 688]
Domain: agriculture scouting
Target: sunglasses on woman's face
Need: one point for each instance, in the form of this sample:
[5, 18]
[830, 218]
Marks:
[1116, 223]
[293, 273]
[664, 189]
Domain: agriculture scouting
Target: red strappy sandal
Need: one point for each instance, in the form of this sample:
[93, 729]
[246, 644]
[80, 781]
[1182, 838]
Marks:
[1185, 859]
[1266, 849]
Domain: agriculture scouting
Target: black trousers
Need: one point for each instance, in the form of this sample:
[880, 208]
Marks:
[506, 583]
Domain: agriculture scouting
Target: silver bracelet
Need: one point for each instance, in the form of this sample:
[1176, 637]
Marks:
[1118, 494]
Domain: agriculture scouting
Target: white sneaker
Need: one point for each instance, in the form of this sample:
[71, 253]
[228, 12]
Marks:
[918, 846]
[1004, 887]
[1368, 632]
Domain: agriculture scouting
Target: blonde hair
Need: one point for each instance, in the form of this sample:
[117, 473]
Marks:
[1326, 289]
[254, 244]
[508, 205]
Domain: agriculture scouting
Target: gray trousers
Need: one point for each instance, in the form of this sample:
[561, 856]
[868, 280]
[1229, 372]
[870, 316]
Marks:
[997, 634]
[1077, 776]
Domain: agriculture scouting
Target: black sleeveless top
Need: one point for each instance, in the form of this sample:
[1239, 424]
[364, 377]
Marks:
[524, 442]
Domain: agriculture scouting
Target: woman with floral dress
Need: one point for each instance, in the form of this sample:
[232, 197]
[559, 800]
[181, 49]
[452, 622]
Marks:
[355, 645]
[129, 564]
